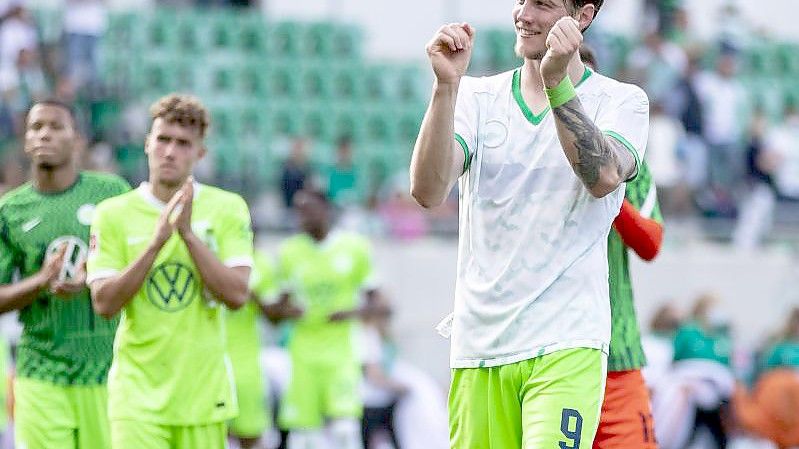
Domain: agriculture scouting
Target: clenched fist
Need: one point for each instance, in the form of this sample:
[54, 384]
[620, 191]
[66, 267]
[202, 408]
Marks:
[563, 42]
[450, 51]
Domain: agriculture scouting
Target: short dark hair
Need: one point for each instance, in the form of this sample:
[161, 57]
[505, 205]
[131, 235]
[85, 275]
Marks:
[588, 56]
[597, 4]
[59, 104]
[315, 194]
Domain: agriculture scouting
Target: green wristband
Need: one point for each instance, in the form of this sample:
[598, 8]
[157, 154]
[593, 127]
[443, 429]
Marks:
[561, 94]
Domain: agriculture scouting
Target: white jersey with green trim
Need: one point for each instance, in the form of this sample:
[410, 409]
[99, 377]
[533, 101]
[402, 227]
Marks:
[532, 256]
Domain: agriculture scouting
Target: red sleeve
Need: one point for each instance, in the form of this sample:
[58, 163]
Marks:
[643, 235]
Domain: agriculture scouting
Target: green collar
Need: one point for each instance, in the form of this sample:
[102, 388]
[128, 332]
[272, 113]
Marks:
[517, 95]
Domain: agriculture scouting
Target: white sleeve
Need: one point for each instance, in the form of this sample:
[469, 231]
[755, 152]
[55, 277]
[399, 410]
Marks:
[370, 339]
[466, 112]
[626, 119]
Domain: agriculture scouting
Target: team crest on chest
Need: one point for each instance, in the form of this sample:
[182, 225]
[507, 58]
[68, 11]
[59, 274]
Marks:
[74, 257]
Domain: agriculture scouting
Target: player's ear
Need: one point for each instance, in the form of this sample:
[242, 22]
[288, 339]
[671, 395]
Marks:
[203, 151]
[147, 143]
[585, 15]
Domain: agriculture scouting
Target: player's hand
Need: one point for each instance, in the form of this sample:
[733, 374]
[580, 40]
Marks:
[450, 51]
[563, 42]
[183, 220]
[72, 286]
[343, 315]
[165, 228]
[51, 268]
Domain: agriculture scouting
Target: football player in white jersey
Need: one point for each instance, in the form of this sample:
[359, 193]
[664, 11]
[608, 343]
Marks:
[541, 154]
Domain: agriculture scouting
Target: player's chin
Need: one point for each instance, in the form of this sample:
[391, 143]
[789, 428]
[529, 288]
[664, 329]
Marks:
[526, 51]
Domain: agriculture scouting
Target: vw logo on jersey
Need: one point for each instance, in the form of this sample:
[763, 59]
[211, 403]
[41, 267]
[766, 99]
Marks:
[496, 133]
[171, 287]
[74, 257]
[85, 214]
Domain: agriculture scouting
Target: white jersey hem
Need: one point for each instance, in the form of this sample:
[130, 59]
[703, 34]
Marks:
[532, 353]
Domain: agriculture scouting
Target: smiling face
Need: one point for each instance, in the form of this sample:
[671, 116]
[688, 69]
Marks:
[50, 136]
[533, 19]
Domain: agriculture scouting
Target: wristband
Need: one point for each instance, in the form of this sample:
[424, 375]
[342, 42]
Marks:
[561, 94]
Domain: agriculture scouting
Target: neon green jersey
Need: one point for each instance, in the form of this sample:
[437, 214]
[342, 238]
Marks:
[243, 341]
[170, 366]
[626, 352]
[63, 341]
[325, 277]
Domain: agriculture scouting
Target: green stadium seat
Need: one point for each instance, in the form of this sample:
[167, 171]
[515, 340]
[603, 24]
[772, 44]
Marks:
[161, 33]
[285, 40]
[377, 83]
[381, 126]
[347, 83]
[316, 83]
[346, 43]
[283, 82]
[318, 40]
[285, 119]
[787, 56]
[318, 125]
[253, 82]
[252, 36]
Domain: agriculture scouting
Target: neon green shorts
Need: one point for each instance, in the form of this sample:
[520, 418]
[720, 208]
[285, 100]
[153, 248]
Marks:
[320, 391]
[49, 416]
[254, 414]
[552, 401]
[128, 434]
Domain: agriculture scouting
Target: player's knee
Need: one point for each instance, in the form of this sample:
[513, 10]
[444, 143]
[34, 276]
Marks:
[346, 433]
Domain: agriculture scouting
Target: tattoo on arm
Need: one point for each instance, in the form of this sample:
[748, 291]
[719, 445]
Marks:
[594, 149]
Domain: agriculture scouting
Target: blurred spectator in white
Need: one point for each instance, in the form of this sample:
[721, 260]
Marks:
[658, 344]
[342, 176]
[685, 104]
[17, 32]
[725, 111]
[783, 140]
[657, 66]
[85, 22]
[755, 215]
[381, 391]
[702, 352]
[665, 135]
[22, 85]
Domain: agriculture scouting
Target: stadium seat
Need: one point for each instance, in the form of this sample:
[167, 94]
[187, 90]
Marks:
[253, 81]
[252, 35]
[346, 43]
[285, 40]
[318, 40]
[283, 82]
[347, 83]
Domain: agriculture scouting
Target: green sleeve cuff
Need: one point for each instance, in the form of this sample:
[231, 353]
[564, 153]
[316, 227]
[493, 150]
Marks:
[630, 148]
[467, 158]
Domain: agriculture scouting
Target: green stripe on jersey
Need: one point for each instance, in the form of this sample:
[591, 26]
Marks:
[63, 341]
[625, 343]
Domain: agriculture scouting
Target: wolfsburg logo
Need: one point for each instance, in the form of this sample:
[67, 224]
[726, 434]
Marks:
[171, 287]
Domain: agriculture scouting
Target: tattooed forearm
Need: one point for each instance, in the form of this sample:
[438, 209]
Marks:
[589, 151]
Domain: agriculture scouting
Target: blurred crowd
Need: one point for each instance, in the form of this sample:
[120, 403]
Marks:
[715, 152]
[709, 391]
[714, 149]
